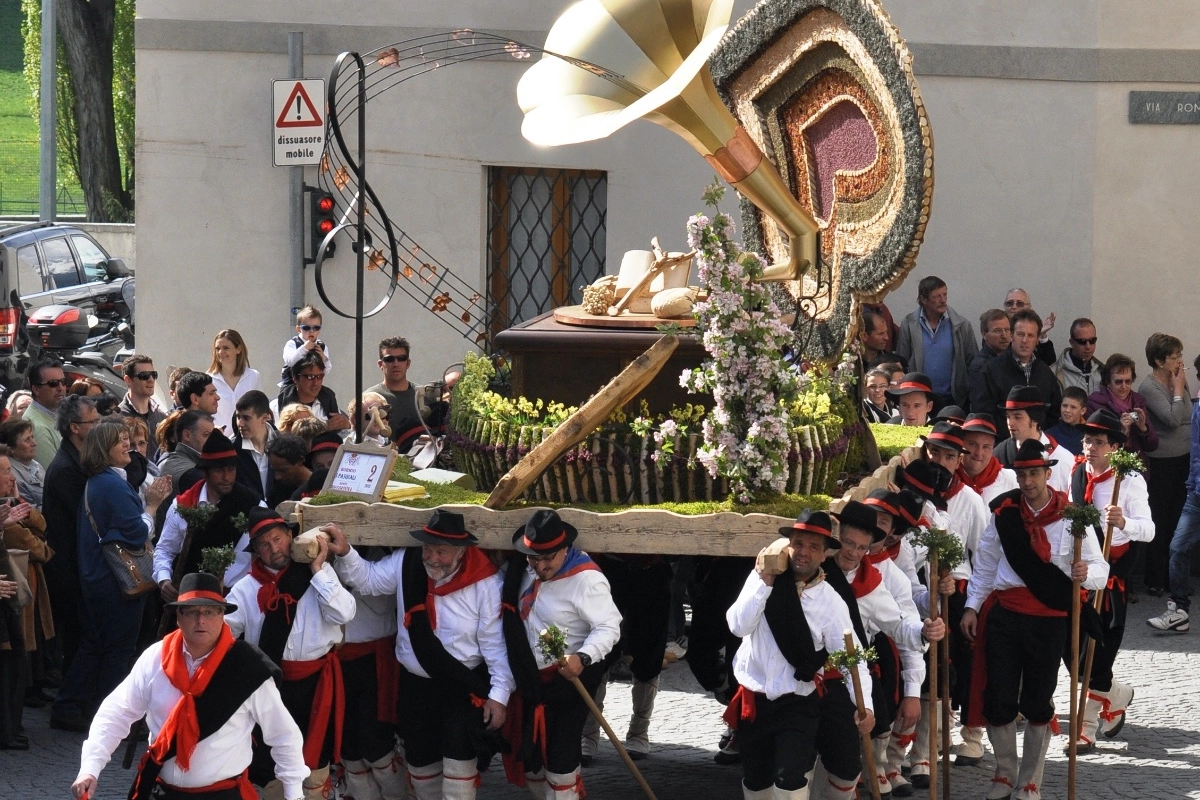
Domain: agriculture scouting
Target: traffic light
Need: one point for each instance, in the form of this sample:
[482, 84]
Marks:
[321, 221]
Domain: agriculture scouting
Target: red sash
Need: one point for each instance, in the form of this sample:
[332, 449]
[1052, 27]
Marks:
[328, 694]
[245, 788]
[387, 672]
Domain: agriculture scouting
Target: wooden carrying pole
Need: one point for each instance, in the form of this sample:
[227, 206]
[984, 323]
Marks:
[867, 744]
[612, 736]
[933, 679]
[1097, 603]
[944, 673]
[1073, 741]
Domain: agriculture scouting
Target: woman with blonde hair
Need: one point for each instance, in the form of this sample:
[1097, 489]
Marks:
[290, 414]
[232, 375]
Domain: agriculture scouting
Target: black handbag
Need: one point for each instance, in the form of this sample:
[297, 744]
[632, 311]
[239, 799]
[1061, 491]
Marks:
[133, 569]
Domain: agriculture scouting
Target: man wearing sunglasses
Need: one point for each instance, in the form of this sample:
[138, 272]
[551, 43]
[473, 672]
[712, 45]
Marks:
[48, 385]
[405, 415]
[141, 377]
[1078, 365]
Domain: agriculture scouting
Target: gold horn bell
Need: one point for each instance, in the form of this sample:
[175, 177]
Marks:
[658, 50]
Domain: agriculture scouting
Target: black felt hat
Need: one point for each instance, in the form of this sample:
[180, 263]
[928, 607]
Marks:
[903, 506]
[201, 589]
[861, 516]
[912, 382]
[261, 520]
[1031, 453]
[1023, 397]
[1106, 422]
[543, 534]
[218, 451]
[813, 522]
[980, 423]
[951, 414]
[946, 435]
[329, 441]
[445, 527]
[927, 480]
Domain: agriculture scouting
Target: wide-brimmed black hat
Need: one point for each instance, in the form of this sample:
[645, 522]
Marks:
[321, 443]
[260, 520]
[445, 527]
[951, 414]
[813, 522]
[1021, 398]
[201, 589]
[904, 506]
[980, 423]
[926, 480]
[218, 451]
[912, 382]
[861, 516]
[1031, 453]
[1106, 422]
[543, 534]
[946, 435]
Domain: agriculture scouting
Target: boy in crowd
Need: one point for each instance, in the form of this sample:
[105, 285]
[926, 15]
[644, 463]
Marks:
[1066, 431]
[306, 340]
[914, 397]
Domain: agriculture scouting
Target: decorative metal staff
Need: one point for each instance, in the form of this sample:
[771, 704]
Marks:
[554, 646]
[1121, 462]
[945, 553]
[1082, 517]
[848, 661]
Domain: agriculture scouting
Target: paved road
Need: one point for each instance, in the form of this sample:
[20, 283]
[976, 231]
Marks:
[1156, 757]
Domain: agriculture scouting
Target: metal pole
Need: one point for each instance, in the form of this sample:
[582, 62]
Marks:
[361, 254]
[47, 156]
[295, 195]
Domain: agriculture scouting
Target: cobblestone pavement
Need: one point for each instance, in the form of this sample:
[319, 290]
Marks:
[1156, 756]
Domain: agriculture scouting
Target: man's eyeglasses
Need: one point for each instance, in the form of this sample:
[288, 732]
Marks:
[1090, 341]
[1122, 381]
[307, 328]
[1000, 332]
[152, 375]
[1015, 304]
[53, 384]
[313, 376]
[87, 421]
[393, 359]
[541, 559]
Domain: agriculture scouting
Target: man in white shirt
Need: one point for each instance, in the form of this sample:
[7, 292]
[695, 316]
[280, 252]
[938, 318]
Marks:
[1093, 483]
[1025, 414]
[455, 682]
[553, 583]
[980, 469]
[789, 623]
[295, 616]
[1018, 602]
[198, 675]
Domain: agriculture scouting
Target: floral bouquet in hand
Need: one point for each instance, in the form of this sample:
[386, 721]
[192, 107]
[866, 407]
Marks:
[945, 546]
[553, 644]
[1082, 516]
[216, 560]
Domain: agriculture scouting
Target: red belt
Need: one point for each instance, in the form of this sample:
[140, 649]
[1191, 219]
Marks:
[241, 782]
[1022, 601]
[387, 672]
[742, 706]
[329, 693]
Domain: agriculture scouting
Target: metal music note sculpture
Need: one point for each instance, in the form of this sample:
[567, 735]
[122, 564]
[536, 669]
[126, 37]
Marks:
[809, 108]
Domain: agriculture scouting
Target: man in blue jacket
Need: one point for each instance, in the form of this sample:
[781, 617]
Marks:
[938, 341]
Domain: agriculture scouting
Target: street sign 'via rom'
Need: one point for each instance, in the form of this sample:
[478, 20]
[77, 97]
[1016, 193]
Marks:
[297, 108]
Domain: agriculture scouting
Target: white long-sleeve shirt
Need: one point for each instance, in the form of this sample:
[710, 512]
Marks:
[881, 613]
[581, 606]
[994, 573]
[319, 614]
[912, 662]
[759, 664]
[1135, 505]
[228, 396]
[147, 691]
[917, 556]
[174, 533]
[468, 620]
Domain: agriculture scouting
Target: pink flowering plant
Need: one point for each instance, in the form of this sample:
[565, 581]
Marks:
[752, 386]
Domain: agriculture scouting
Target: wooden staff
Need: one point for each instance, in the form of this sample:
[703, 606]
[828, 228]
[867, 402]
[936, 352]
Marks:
[944, 657]
[1072, 743]
[867, 744]
[933, 678]
[612, 736]
[1097, 602]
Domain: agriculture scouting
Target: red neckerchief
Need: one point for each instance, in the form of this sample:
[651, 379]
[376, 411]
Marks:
[1052, 443]
[984, 479]
[884, 554]
[1036, 524]
[191, 497]
[865, 580]
[956, 486]
[182, 725]
[1090, 489]
[475, 566]
[269, 596]
[576, 562]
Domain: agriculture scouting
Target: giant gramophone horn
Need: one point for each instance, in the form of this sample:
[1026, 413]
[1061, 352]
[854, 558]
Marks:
[658, 50]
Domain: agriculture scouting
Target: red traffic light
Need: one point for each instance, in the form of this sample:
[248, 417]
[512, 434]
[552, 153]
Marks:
[325, 226]
[325, 205]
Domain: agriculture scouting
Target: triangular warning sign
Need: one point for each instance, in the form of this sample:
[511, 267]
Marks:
[299, 111]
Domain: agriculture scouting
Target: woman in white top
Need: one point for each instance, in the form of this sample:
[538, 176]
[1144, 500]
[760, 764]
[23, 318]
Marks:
[231, 374]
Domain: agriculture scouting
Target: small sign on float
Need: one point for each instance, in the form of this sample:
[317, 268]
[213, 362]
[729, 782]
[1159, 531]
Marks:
[297, 109]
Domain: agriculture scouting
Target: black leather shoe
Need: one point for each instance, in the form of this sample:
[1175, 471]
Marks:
[73, 723]
[919, 781]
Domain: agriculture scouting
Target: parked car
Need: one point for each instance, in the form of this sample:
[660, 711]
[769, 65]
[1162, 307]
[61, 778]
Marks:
[44, 264]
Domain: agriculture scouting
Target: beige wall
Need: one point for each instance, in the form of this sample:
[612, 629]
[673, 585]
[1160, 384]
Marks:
[1040, 180]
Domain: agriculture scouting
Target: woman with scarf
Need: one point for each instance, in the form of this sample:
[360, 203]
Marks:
[1117, 395]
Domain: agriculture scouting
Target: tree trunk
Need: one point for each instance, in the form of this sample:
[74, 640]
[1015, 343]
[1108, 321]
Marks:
[86, 27]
